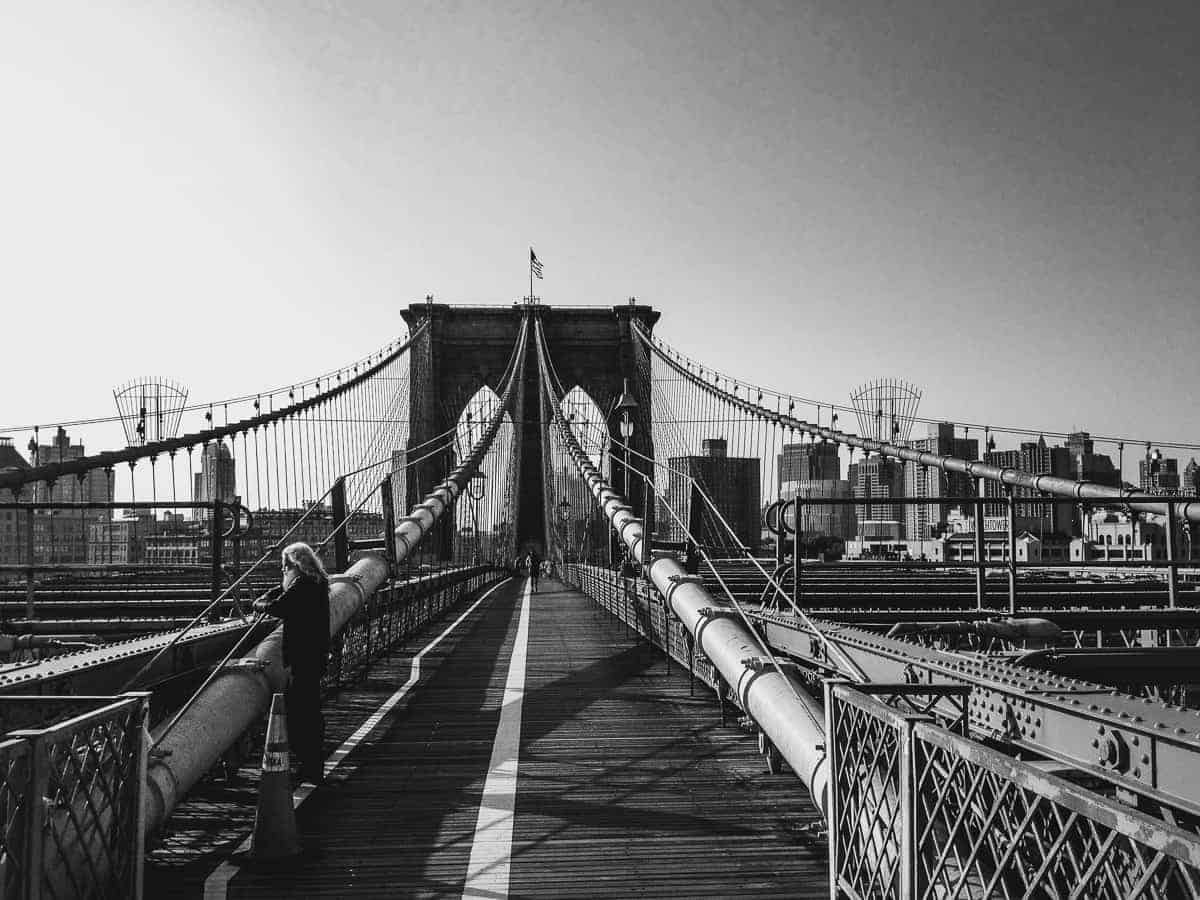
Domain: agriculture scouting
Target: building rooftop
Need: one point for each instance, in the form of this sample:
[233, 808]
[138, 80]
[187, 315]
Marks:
[10, 457]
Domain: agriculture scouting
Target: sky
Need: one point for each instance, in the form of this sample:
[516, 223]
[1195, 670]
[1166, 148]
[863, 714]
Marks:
[996, 201]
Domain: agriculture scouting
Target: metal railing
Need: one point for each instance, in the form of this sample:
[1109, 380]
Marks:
[392, 614]
[636, 603]
[71, 801]
[997, 552]
[918, 811]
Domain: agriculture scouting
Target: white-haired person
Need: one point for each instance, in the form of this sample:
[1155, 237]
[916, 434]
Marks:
[302, 601]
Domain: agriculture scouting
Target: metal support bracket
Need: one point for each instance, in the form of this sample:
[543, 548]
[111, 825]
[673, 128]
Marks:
[249, 663]
[760, 664]
[715, 612]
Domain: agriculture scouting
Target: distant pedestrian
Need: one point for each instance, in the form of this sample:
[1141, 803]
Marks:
[535, 569]
[302, 601]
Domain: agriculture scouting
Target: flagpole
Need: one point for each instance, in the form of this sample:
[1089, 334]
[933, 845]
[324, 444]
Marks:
[531, 276]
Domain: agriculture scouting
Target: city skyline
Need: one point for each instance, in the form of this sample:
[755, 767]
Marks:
[733, 158]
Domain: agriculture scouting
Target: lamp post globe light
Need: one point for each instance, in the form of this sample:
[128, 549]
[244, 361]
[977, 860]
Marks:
[477, 485]
[626, 406]
[475, 490]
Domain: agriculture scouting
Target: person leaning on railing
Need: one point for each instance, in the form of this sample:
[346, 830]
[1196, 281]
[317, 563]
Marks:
[302, 601]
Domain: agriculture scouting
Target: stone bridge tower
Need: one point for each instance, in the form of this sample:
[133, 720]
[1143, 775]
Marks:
[467, 347]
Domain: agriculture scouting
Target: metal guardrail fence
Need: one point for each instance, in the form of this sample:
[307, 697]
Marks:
[635, 602]
[918, 811]
[71, 802]
[394, 613]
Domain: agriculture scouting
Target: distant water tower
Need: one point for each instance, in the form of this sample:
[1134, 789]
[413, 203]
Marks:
[150, 409]
[886, 409]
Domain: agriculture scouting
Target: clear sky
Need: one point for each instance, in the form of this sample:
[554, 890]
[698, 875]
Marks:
[998, 201]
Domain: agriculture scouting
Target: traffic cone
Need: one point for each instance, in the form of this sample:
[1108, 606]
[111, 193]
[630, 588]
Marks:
[275, 819]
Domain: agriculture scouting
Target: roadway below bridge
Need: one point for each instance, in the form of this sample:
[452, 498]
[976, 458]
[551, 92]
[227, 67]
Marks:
[535, 750]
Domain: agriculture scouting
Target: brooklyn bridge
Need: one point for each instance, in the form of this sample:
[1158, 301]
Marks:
[700, 696]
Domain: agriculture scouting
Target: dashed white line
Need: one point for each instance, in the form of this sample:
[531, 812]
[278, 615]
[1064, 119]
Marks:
[216, 886]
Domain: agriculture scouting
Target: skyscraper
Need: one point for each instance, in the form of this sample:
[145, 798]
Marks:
[732, 483]
[1191, 477]
[61, 535]
[11, 533]
[95, 487]
[1037, 458]
[807, 462]
[217, 479]
[922, 481]
[1087, 465]
[878, 479]
[814, 471]
[1158, 476]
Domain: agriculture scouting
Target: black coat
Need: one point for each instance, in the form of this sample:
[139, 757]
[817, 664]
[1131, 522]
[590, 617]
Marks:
[304, 608]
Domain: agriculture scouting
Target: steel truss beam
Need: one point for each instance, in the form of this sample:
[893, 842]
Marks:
[1147, 747]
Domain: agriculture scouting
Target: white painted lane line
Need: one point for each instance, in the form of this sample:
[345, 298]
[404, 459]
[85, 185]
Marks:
[216, 885]
[491, 851]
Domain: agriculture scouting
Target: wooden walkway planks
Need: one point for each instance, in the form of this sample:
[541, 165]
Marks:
[631, 788]
[628, 787]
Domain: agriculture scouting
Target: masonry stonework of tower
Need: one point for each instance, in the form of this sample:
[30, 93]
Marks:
[467, 347]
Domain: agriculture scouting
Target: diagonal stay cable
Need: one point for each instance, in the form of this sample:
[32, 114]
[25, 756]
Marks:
[853, 669]
[568, 438]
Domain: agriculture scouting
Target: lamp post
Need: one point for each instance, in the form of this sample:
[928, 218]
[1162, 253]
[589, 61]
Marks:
[475, 490]
[564, 515]
[626, 406]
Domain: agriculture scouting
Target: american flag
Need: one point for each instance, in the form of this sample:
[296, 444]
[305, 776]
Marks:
[535, 264]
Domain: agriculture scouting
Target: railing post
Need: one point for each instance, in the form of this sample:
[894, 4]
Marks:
[647, 521]
[797, 547]
[31, 559]
[908, 806]
[218, 526]
[695, 516]
[236, 540]
[833, 758]
[389, 523]
[341, 540]
[1011, 505]
[138, 851]
[36, 807]
[1172, 571]
[980, 567]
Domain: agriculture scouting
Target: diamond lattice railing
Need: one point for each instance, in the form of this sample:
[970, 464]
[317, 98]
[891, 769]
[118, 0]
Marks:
[91, 794]
[14, 798]
[991, 826]
[923, 811]
[867, 803]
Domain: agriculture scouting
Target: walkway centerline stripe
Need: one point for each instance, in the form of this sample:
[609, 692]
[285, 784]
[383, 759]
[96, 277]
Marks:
[216, 886]
[491, 850]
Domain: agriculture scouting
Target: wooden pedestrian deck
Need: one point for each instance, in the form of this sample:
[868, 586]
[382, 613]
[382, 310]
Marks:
[627, 786]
